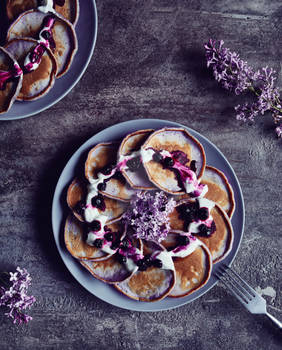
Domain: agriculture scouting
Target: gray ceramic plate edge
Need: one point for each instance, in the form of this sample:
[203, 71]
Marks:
[87, 23]
[60, 211]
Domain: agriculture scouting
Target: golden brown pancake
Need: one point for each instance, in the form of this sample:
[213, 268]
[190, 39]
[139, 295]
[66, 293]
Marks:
[15, 7]
[193, 270]
[76, 195]
[11, 87]
[70, 9]
[110, 270]
[171, 140]
[220, 191]
[75, 239]
[220, 242]
[38, 82]
[29, 24]
[151, 285]
[101, 156]
[132, 143]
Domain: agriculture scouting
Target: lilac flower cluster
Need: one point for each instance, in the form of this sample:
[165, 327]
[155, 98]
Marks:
[148, 215]
[236, 76]
[16, 298]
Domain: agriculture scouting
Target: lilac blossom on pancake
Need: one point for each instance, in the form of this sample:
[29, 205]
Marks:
[147, 215]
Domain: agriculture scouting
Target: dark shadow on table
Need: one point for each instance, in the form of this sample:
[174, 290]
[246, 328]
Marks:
[47, 184]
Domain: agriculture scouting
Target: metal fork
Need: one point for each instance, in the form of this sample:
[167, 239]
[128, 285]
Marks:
[254, 302]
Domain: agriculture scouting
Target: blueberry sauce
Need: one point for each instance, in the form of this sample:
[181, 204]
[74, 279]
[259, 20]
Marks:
[5, 76]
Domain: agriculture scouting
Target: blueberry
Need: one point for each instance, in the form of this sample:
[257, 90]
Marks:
[118, 175]
[95, 225]
[34, 57]
[98, 243]
[203, 213]
[52, 43]
[134, 163]
[168, 162]
[157, 263]
[121, 258]
[157, 157]
[187, 212]
[204, 230]
[79, 208]
[102, 186]
[183, 240]
[98, 202]
[115, 245]
[213, 227]
[193, 165]
[107, 169]
[109, 236]
[46, 34]
[143, 267]
[125, 244]
[147, 260]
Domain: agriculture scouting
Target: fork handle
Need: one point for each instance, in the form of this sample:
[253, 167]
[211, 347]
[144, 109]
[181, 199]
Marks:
[273, 319]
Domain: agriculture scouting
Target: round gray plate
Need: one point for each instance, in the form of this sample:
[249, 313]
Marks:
[60, 211]
[86, 30]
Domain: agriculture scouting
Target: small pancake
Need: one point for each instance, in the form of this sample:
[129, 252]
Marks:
[173, 139]
[38, 82]
[76, 194]
[75, 239]
[151, 285]
[131, 143]
[192, 272]
[29, 24]
[220, 242]
[109, 270]
[70, 9]
[220, 191]
[99, 157]
[15, 7]
[11, 87]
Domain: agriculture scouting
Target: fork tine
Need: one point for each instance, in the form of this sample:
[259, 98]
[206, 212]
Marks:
[250, 290]
[238, 294]
[243, 293]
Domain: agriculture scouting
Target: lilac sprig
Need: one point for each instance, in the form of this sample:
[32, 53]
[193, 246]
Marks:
[236, 76]
[15, 297]
[148, 215]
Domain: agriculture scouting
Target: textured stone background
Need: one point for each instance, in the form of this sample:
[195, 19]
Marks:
[148, 63]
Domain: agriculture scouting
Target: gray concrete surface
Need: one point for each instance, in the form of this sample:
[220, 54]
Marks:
[148, 63]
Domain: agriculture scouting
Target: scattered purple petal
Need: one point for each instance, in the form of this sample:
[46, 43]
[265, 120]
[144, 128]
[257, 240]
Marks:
[236, 76]
[16, 298]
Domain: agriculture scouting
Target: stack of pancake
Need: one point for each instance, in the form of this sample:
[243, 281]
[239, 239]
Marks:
[39, 48]
[147, 167]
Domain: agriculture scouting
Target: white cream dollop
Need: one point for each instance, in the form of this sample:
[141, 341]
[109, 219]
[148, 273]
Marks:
[47, 7]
